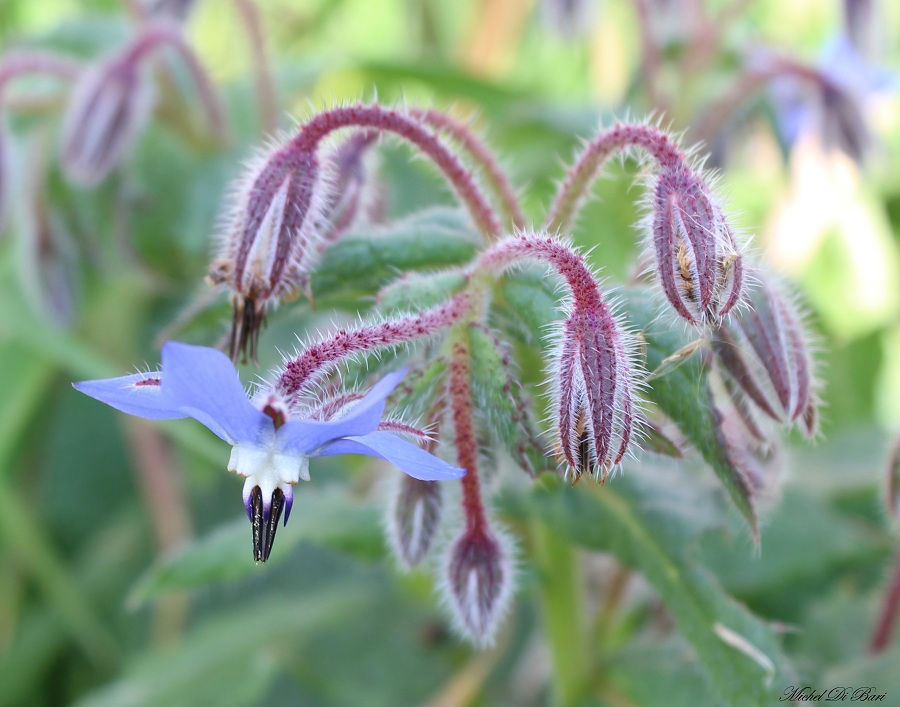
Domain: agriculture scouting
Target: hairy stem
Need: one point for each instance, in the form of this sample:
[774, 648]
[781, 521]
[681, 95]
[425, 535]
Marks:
[549, 251]
[464, 437]
[163, 34]
[33, 62]
[581, 175]
[384, 119]
[323, 355]
[497, 180]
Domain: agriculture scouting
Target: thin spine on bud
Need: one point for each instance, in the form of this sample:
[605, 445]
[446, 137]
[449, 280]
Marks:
[594, 386]
[321, 356]
[574, 189]
[497, 180]
[384, 119]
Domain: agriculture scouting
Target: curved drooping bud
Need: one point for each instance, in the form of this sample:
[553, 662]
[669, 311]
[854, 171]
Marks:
[270, 242]
[414, 518]
[478, 581]
[697, 256]
[593, 373]
[109, 107]
[112, 101]
[595, 393]
[764, 350]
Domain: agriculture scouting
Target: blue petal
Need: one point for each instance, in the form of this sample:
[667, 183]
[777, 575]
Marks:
[125, 394]
[306, 436]
[410, 458]
[203, 383]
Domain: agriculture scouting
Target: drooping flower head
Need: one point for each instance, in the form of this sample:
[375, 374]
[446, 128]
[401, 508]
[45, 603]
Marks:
[478, 579]
[270, 447]
[698, 259]
[109, 107]
[764, 350]
[270, 241]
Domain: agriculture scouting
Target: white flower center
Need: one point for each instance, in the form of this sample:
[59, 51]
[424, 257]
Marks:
[266, 467]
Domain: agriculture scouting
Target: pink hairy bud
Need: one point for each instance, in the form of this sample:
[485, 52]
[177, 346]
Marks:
[697, 258]
[478, 582]
[764, 351]
[112, 102]
[595, 406]
[593, 374]
[109, 107]
[269, 245]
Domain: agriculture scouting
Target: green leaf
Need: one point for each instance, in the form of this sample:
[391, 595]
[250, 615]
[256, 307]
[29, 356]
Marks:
[683, 393]
[231, 659]
[497, 397]
[528, 303]
[415, 292]
[739, 653]
[327, 517]
[362, 261]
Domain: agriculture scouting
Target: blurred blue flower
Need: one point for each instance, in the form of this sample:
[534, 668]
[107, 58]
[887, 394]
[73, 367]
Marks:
[271, 450]
[836, 107]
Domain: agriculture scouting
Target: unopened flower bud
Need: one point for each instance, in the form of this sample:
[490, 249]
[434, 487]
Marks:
[109, 106]
[764, 350]
[270, 242]
[697, 258]
[415, 515]
[595, 388]
[478, 582]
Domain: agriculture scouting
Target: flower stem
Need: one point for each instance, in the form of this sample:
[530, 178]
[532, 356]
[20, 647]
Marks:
[497, 180]
[884, 627]
[265, 87]
[384, 119]
[581, 175]
[321, 356]
[464, 435]
[552, 252]
[562, 610]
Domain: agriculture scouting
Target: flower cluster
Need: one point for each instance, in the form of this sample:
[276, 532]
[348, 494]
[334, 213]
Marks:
[295, 213]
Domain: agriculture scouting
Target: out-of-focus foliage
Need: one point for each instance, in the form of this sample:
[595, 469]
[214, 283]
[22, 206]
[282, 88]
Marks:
[125, 571]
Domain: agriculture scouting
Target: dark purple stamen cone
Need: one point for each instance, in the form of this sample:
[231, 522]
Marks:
[697, 258]
[264, 517]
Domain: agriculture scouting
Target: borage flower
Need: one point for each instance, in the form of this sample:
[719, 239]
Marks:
[269, 448]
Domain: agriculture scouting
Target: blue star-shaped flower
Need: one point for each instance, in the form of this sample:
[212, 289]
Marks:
[271, 450]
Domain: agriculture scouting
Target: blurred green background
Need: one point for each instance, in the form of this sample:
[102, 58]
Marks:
[94, 506]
